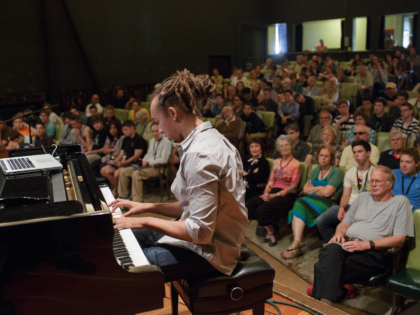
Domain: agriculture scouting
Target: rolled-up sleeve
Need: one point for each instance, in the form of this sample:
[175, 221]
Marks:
[202, 175]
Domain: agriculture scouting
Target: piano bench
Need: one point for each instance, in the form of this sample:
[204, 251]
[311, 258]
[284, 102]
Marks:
[250, 284]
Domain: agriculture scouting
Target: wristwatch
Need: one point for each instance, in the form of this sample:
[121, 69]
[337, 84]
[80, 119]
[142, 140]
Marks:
[372, 245]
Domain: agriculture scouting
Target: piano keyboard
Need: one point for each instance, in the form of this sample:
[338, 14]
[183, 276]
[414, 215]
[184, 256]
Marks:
[127, 250]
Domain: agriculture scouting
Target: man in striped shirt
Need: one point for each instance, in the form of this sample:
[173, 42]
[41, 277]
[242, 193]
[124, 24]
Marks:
[406, 123]
[344, 121]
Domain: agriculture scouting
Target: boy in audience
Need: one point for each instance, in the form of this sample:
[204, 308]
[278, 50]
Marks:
[407, 123]
[395, 110]
[75, 111]
[295, 86]
[42, 139]
[301, 148]
[254, 124]
[16, 141]
[379, 120]
[82, 133]
[136, 106]
[267, 104]
[99, 135]
[286, 87]
[246, 92]
[94, 101]
[268, 85]
[390, 94]
[307, 112]
[22, 127]
[160, 149]
[347, 160]
[325, 119]
[133, 148]
[50, 128]
[391, 158]
[407, 183]
[110, 118]
[67, 137]
[231, 127]
[345, 120]
[93, 112]
[356, 180]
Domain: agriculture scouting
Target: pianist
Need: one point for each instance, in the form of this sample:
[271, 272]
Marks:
[208, 187]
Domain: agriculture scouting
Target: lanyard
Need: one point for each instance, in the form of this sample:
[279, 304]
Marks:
[409, 186]
[155, 150]
[366, 180]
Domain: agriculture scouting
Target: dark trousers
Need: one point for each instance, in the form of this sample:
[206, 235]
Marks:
[270, 212]
[337, 266]
[176, 263]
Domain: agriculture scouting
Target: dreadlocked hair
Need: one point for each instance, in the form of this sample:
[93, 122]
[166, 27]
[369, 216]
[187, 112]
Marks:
[186, 91]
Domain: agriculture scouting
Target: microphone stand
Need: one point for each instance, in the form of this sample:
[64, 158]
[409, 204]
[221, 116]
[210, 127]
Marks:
[29, 114]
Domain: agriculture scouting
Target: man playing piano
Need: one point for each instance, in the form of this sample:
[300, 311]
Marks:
[208, 187]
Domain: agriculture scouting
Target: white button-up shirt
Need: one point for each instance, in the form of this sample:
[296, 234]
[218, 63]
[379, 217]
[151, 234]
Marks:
[211, 192]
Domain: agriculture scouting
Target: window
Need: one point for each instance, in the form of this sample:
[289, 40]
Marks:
[359, 33]
[327, 30]
[398, 30]
[277, 39]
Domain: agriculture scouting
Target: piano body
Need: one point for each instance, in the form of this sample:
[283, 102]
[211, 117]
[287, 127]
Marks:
[123, 283]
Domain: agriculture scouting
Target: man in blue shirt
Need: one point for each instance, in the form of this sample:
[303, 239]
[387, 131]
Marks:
[287, 110]
[254, 124]
[407, 183]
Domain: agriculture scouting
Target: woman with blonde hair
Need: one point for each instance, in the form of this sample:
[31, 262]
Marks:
[329, 95]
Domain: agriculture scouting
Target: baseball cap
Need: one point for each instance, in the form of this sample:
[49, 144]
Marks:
[390, 85]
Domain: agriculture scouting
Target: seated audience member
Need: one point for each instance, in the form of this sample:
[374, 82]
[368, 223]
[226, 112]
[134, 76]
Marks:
[300, 149]
[41, 138]
[216, 77]
[344, 121]
[231, 127]
[360, 119]
[110, 118]
[391, 158]
[356, 181]
[299, 64]
[254, 124]
[282, 59]
[238, 103]
[407, 123]
[253, 78]
[303, 80]
[111, 148]
[380, 77]
[268, 64]
[341, 77]
[225, 90]
[364, 81]
[357, 60]
[136, 106]
[82, 133]
[248, 98]
[314, 69]
[350, 72]
[239, 78]
[231, 94]
[67, 137]
[16, 141]
[256, 170]
[99, 135]
[379, 120]
[328, 137]
[406, 182]
[22, 127]
[307, 112]
[267, 104]
[50, 128]
[270, 76]
[390, 94]
[321, 47]
[295, 86]
[83, 118]
[367, 107]
[312, 89]
[285, 75]
[416, 103]
[5, 132]
[324, 182]
[160, 149]
[329, 95]
[260, 76]
[395, 72]
[93, 112]
[360, 133]
[269, 85]
[133, 148]
[141, 123]
[287, 111]
[121, 100]
[286, 87]
[52, 117]
[364, 239]
[326, 75]
[239, 87]
[280, 192]
[94, 101]
[325, 119]
[256, 91]
[395, 110]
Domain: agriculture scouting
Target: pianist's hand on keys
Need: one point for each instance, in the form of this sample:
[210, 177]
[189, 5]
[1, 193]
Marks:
[133, 207]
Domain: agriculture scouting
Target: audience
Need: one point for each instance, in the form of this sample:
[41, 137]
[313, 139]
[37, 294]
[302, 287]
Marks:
[324, 182]
[42, 139]
[216, 77]
[93, 112]
[360, 133]
[329, 95]
[239, 87]
[286, 87]
[407, 123]
[280, 192]
[344, 121]
[253, 78]
[379, 120]
[300, 149]
[94, 101]
[256, 170]
[395, 110]
[312, 89]
[267, 104]
[346, 264]
[231, 127]
[268, 85]
[299, 65]
[52, 117]
[238, 103]
[110, 118]
[295, 86]
[5, 132]
[67, 137]
[15, 141]
[341, 77]
[307, 112]
[99, 135]
[75, 111]
[239, 78]
[391, 158]
[364, 81]
[141, 122]
[158, 153]
[356, 181]
[325, 119]
[136, 107]
[367, 107]
[270, 76]
[254, 124]
[360, 119]
[121, 100]
[82, 133]
[390, 94]
[248, 97]
[287, 111]
[50, 128]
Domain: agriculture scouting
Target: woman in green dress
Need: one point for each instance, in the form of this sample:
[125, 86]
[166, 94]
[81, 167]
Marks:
[324, 182]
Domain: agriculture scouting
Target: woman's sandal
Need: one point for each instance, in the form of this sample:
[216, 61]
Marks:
[291, 254]
[267, 238]
[295, 245]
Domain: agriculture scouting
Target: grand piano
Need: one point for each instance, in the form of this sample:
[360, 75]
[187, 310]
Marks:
[72, 203]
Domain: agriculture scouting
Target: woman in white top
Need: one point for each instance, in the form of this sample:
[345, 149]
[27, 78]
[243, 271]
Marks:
[329, 95]
[208, 186]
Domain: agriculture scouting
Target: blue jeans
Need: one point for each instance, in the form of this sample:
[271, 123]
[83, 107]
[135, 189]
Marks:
[176, 263]
[328, 221]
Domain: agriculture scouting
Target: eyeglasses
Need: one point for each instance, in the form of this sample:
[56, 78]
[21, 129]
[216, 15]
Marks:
[396, 140]
[374, 181]
[358, 133]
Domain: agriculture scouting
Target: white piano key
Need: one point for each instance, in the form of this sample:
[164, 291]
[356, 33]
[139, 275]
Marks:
[133, 248]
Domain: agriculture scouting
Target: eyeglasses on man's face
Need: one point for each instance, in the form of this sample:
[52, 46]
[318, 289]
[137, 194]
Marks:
[358, 133]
